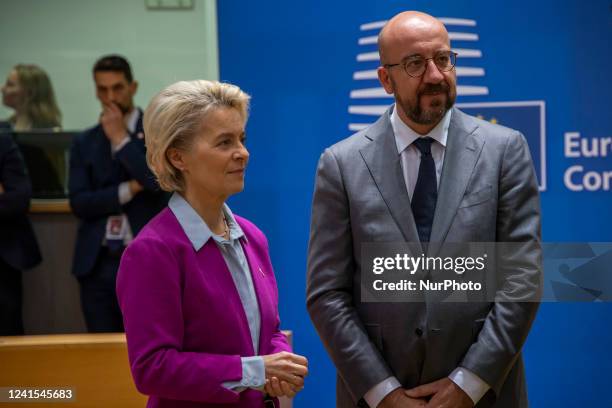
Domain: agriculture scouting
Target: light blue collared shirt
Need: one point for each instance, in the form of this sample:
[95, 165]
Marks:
[198, 233]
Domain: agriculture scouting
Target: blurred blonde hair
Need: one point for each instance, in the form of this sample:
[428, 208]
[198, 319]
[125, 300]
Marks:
[40, 106]
[174, 117]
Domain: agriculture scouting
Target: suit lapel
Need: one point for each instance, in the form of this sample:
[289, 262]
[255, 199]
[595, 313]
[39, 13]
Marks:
[383, 162]
[102, 152]
[462, 151]
[138, 134]
[139, 124]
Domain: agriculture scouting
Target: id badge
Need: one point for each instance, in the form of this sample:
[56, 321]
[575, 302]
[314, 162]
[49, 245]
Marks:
[116, 228]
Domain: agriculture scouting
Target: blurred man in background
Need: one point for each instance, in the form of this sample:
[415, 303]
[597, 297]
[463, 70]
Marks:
[112, 191]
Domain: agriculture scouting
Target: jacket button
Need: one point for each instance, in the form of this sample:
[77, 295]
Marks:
[418, 331]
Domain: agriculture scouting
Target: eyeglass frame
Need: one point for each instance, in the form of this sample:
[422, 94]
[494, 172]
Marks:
[403, 63]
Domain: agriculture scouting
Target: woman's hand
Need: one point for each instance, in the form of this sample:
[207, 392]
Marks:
[277, 388]
[285, 373]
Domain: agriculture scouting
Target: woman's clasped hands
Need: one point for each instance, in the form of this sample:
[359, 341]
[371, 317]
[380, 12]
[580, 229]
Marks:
[285, 374]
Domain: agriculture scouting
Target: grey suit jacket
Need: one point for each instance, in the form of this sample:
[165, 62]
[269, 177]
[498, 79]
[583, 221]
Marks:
[488, 192]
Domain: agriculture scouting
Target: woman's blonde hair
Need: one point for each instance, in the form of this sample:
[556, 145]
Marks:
[174, 117]
[39, 99]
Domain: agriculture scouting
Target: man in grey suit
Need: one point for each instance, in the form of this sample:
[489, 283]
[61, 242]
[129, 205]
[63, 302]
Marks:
[427, 172]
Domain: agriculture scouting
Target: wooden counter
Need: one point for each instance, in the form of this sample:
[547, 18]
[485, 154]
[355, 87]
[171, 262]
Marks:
[95, 366]
[61, 206]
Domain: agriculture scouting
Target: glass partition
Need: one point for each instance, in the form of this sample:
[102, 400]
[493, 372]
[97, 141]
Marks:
[47, 157]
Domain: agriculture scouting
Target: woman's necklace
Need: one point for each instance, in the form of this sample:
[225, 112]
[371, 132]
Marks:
[225, 228]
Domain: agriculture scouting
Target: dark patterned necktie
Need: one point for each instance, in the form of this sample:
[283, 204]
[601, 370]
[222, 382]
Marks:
[425, 192]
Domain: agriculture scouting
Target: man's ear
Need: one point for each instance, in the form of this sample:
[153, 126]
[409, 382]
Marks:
[175, 157]
[385, 79]
[134, 87]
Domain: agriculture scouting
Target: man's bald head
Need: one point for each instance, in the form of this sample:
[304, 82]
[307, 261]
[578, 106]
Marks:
[417, 67]
[407, 27]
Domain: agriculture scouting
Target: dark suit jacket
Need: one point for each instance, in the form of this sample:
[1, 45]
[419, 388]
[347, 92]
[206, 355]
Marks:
[95, 175]
[18, 246]
[488, 193]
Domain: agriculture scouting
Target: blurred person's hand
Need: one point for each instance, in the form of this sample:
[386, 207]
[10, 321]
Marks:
[135, 187]
[111, 120]
[1, 188]
[288, 367]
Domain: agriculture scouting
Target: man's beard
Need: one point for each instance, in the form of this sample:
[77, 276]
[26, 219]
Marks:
[123, 108]
[435, 111]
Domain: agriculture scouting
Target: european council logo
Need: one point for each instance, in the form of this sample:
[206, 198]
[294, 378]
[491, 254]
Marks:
[369, 100]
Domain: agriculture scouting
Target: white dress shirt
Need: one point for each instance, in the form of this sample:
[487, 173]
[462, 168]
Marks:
[131, 120]
[410, 155]
[123, 191]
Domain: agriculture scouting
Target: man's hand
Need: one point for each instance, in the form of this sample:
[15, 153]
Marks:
[1, 188]
[135, 187]
[398, 398]
[288, 367]
[111, 120]
[442, 394]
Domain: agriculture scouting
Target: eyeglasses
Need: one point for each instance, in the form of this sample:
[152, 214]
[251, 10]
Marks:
[416, 65]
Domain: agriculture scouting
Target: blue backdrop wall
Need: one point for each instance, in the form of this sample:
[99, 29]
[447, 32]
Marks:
[540, 66]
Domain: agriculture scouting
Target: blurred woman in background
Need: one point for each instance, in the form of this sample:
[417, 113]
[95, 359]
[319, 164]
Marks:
[28, 91]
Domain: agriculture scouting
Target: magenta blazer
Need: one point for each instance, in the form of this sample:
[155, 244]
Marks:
[185, 325]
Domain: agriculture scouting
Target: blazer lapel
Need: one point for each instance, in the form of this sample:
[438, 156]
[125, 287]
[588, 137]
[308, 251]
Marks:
[227, 286]
[261, 292]
[383, 162]
[462, 151]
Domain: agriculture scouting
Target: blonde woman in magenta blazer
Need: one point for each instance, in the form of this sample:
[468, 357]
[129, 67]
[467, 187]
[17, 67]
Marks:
[196, 286]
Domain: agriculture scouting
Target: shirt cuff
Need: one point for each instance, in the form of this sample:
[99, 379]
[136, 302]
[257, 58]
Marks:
[124, 192]
[253, 375]
[377, 393]
[119, 146]
[470, 383]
